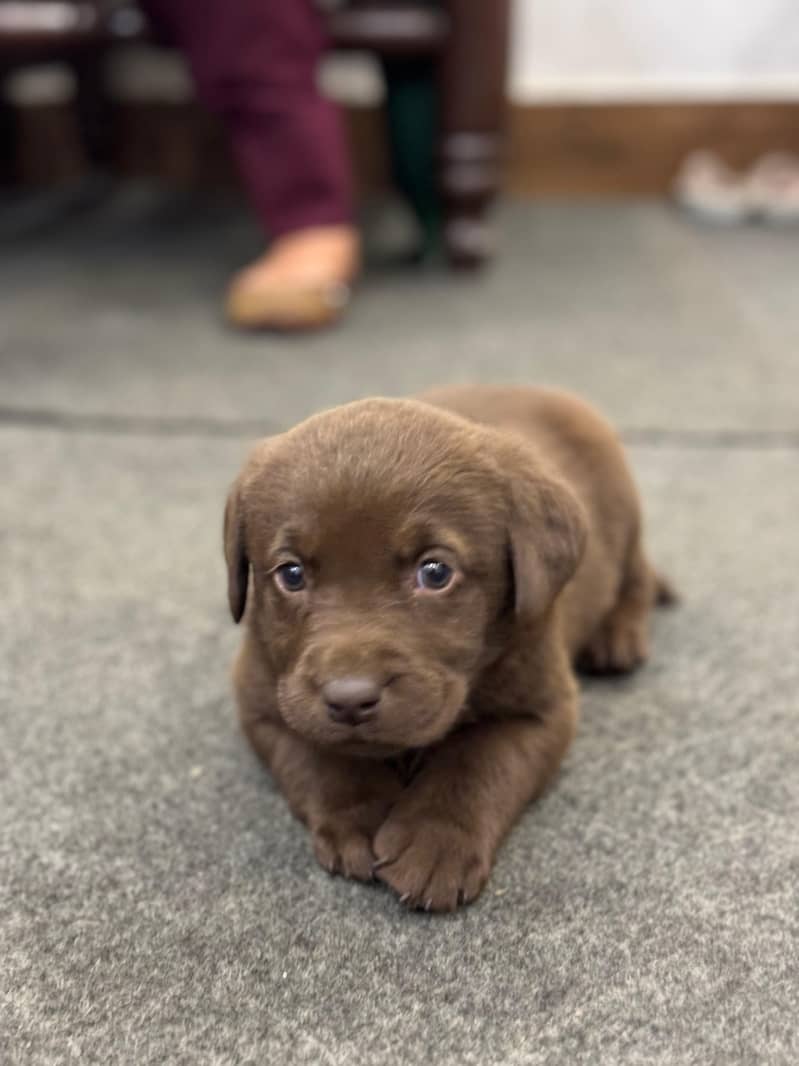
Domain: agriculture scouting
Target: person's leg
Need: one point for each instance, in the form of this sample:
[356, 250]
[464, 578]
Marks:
[254, 62]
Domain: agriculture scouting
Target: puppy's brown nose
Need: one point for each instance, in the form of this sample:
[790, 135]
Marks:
[351, 700]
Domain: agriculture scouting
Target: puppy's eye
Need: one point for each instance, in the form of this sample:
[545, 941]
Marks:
[434, 575]
[290, 577]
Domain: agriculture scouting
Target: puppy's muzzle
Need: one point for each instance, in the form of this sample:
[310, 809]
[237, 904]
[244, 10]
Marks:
[352, 700]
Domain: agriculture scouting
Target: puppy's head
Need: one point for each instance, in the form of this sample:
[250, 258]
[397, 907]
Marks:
[391, 544]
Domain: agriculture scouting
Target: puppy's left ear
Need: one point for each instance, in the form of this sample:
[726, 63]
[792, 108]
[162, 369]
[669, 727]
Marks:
[548, 532]
[238, 565]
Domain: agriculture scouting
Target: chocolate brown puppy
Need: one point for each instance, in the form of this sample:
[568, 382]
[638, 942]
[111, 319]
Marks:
[419, 578]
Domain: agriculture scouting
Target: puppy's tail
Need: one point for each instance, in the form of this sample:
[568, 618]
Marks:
[666, 595]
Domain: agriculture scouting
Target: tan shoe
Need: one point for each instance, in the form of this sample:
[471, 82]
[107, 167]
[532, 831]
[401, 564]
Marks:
[303, 282]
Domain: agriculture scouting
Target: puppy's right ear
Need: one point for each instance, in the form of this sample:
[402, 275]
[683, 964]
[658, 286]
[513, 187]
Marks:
[238, 565]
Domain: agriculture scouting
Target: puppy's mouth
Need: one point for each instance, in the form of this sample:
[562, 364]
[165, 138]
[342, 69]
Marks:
[362, 748]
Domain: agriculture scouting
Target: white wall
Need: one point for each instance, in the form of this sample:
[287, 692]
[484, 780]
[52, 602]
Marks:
[582, 50]
[572, 50]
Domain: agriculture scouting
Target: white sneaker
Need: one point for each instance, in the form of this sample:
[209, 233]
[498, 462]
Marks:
[706, 186]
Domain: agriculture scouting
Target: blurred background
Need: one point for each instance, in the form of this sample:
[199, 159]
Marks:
[549, 140]
[585, 152]
[603, 99]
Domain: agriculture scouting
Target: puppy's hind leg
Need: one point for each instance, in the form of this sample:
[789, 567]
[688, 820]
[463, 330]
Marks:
[621, 641]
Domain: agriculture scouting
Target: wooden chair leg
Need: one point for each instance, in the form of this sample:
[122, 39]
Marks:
[473, 85]
[8, 143]
[93, 107]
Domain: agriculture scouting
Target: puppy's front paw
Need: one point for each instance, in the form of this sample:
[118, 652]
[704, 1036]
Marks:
[345, 816]
[343, 847]
[430, 862]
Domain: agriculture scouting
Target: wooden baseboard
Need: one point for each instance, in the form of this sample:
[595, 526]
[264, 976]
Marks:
[178, 142]
[183, 144]
[552, 150]
[634, 149]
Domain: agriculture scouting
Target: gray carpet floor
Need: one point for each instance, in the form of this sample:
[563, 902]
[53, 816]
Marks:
[157, 902]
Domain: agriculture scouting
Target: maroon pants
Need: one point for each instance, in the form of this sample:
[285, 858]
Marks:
[255, 63]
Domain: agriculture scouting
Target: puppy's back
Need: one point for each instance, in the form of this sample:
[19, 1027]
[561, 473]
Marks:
[567, 433]
[557, 422]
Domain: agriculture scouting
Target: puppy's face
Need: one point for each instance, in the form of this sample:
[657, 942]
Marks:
[381, 544]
